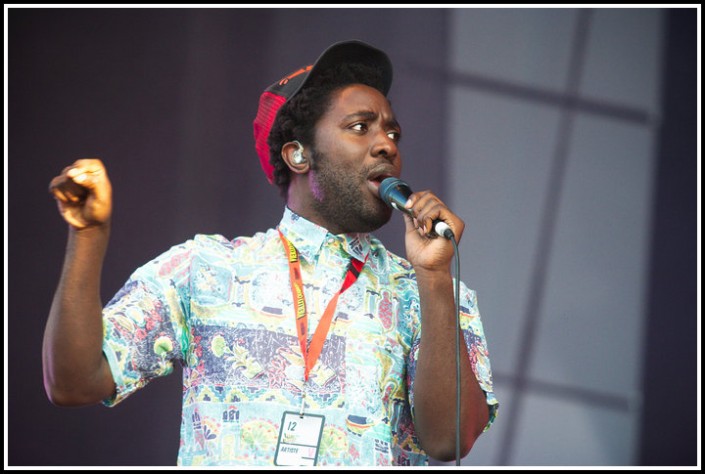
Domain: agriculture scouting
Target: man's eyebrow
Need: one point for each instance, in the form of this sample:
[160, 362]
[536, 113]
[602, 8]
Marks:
[363, 114]
[369, 115]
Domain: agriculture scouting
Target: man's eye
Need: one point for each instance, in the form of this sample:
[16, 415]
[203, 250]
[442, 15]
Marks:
[360, 126]
[394, 135]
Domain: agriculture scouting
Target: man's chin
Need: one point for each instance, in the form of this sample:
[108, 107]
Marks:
[379, 219]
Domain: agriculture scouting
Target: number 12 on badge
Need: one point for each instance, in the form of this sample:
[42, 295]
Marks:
[299, 439]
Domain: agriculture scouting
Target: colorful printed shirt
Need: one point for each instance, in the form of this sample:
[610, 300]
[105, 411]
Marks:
[223, 309]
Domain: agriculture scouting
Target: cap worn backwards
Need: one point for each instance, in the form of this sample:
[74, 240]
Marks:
[279, 93]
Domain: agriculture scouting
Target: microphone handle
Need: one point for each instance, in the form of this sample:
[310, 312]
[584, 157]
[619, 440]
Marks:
[439, 227]
[442, 229]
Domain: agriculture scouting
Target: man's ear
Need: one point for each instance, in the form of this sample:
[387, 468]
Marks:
[294, 156]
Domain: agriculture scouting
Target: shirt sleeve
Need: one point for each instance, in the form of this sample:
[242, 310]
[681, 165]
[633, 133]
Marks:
[144, 325]
[475, 342]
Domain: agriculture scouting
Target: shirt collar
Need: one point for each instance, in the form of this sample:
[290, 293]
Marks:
[309, 238]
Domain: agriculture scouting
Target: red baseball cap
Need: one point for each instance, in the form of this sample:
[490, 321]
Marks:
[276, 95]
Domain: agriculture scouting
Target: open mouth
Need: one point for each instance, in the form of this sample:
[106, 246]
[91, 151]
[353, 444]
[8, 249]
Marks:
[375, 179]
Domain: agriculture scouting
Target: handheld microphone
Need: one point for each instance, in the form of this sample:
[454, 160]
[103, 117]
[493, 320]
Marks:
[395, 192]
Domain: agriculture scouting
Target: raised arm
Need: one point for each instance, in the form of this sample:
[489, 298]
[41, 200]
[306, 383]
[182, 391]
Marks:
[75, 371]
[434, 383]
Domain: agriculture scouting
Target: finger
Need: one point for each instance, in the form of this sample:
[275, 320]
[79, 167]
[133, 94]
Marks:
[85, 168]
[72, 218]
[64, 197]
[419, 200]
[431, 212]
[59, 194]
[412, 225]
[68, 188]
[88, 165]
[91, 174]
[85, 177]
[414, 199]
[427, 208]
[68, 212]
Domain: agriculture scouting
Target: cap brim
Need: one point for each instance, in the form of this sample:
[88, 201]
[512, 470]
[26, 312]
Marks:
[352, 51]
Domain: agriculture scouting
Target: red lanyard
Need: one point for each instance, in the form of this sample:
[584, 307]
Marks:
[311, 353]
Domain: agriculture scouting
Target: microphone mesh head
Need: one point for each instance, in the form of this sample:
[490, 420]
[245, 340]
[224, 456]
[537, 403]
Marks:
[394, 190]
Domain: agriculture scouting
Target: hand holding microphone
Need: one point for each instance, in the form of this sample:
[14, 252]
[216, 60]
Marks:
[395, 193]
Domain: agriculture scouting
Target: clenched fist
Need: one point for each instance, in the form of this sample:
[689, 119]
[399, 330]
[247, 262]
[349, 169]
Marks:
[83, 194]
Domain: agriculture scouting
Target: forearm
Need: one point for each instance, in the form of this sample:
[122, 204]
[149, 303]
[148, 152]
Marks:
[434, 385]
[74, 367]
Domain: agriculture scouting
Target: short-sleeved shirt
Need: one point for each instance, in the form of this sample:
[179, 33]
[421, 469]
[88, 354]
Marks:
[223, 309]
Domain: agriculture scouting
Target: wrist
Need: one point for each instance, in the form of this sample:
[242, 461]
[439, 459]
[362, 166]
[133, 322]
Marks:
[433, 276]
[88, 243]
[90, 232]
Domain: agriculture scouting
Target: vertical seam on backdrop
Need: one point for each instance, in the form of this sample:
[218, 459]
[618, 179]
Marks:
[546, 235]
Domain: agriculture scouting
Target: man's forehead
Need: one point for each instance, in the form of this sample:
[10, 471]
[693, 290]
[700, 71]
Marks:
[360, 99]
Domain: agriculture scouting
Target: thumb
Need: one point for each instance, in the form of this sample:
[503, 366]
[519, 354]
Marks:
[411, 225]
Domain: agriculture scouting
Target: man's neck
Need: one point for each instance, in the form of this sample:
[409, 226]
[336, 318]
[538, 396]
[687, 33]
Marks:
[299, 201]
[311, 216]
